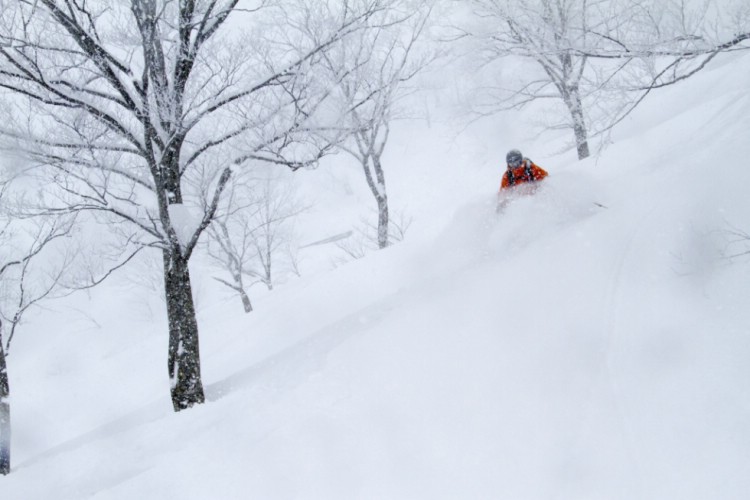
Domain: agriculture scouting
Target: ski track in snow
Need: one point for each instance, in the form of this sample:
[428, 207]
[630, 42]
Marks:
[613, 301]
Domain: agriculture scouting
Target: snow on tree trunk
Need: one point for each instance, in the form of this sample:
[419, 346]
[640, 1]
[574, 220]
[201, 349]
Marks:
[184, 220]
[383, 240]
[246, 304]
[239, 287]
[4, 413]
[572, 98]
[582, 143]
[382, 198]
[184, 354]
[377, 187]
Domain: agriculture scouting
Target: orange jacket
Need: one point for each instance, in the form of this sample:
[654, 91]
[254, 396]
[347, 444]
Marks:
[528, 171]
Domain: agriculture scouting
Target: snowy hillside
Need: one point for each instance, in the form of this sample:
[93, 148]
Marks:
[590, 342]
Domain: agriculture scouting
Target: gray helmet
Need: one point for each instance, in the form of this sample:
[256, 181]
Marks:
[514, 158]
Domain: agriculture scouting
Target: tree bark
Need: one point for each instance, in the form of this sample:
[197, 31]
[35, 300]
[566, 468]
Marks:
[377, 185]
[246, 301]
[184, 353]
[4, 412]
[383, 221]
[575, 107]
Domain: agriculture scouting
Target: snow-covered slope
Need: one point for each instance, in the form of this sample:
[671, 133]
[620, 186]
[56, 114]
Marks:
[589, 342]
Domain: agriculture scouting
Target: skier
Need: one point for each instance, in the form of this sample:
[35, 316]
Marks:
[520, 170]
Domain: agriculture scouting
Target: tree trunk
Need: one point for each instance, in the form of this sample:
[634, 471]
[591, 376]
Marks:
[378, 189]
[184, 353]
[579, 124]
[246, 301]
[239, 287]
[4, 412]
[383, 222]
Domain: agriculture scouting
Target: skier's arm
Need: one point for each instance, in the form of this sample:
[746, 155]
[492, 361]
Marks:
[504, 184]
[538, 172]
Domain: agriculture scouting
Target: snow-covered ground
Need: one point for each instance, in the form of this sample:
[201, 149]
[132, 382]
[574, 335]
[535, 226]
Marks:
[590, 342]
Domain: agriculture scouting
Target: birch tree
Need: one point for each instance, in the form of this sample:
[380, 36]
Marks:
[139, 112]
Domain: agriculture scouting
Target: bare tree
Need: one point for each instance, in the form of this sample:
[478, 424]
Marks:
[139, 111]
[591, 55]
[252, 233]
[664, 43]
[22, 285]
[373, 76]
